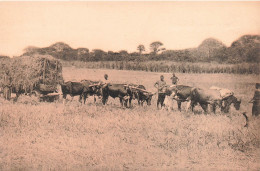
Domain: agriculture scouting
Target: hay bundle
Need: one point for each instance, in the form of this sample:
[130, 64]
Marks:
[28, 71]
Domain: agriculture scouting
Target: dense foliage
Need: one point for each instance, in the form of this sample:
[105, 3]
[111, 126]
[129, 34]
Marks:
[245, 49]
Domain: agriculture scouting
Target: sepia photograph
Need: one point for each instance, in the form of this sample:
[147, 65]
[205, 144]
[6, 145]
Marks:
[129, 85]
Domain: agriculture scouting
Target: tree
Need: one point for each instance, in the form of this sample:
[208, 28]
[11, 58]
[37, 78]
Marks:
[98, 55]
[155, 47]
[124, 54]
[30, 50]
[82, 54]
[140, 48]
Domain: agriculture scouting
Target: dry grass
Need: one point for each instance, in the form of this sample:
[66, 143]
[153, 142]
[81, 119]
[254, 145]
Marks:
[50, 136]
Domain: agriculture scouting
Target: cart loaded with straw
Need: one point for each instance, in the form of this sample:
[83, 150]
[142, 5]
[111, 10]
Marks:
[37, 74]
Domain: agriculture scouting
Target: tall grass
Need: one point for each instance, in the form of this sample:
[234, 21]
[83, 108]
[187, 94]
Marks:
[167, 66]
[53, 136]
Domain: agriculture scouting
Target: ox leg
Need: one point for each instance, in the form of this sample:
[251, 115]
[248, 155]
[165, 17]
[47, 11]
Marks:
[84, 98]
[221, 106]
[139, 101]
[95, 99]
[213, 108]
[125, 103]
[204, 107]
[64, 98]
[158, 103]
[192, 105]
[80, 98]
[104, 100]
[130, 102]
[179, 105]
[121, 101]
[17, 96]
[188, 107]
[226, 107]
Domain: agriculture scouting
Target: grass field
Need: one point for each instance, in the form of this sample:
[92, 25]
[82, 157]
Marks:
[53, 136]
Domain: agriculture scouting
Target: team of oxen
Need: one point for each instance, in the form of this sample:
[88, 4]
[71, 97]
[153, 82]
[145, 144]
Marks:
[213, 97]
[125, 92]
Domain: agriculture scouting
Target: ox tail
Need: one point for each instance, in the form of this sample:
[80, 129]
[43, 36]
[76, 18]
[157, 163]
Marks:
[247, 120]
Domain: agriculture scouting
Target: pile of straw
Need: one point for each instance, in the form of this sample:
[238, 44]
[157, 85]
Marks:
[28, 71]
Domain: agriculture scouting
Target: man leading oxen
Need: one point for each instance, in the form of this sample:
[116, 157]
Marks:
[161, 88]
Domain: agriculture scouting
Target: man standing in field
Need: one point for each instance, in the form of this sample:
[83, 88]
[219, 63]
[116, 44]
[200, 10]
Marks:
[256, 101]
[105, 86]
[105, 81]
[161, 87]
[174, 79]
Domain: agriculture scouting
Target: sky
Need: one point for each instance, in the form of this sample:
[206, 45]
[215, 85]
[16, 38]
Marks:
[123, 25]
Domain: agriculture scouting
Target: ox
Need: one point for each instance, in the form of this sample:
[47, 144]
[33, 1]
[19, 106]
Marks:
[82, 89]
[180, 93]
[91, 88]
[228, 98]
[140, 93]
[212, 97]
[19, 89]
[122, 91]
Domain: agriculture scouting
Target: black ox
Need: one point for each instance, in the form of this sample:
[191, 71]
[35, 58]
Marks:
[82, 89]
[140, 93]
[122, 91]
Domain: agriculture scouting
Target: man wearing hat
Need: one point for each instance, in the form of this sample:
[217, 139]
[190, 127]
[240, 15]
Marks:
[161, 87]
[256, 101]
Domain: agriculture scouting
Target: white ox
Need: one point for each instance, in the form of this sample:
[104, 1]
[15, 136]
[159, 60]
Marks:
[224, 93]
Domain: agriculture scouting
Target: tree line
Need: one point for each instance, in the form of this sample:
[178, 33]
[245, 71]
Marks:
[245, 49]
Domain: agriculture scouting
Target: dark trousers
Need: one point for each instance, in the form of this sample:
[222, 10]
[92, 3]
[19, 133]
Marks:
[256, 108]
[160, 100]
